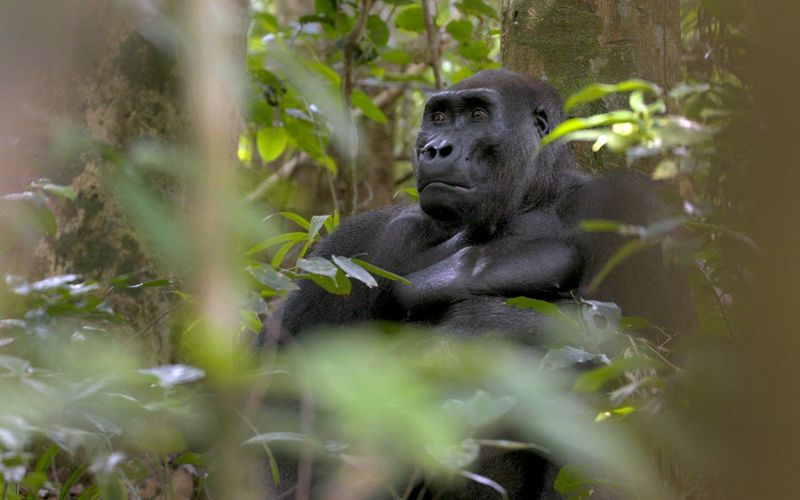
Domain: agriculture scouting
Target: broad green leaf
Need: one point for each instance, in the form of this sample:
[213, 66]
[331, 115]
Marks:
[460, 30]
[377, 271]
[396, 56]
[476, 7]
[475, 51]
[355, 271]
[340, 285]
[571, 483]
[271, 142]
[597, 91]
[277, 240]
[363, 102]
[410, 18]
[318, 266]
[377, 30]
[576, 124]
[272, 278]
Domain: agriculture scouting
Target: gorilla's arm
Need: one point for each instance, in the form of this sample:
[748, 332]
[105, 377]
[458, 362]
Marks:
[399, 239]
[538, 268]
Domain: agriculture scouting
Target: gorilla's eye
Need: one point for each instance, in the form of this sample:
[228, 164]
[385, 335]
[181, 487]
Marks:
[479, 114]
[438, 118]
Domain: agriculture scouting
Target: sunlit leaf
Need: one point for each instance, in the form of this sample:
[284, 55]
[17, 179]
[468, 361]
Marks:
[410, 18]
[597, 91]
[271, 142]
[576, 124]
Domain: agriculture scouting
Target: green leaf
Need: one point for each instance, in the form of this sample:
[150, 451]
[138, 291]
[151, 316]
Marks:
[410, 18]
[355, 271]
[571, 483]
[396, 56]
[339, 285]
[377, 271]
[600, 226]
[412, 192]
[277, 240]
[280, 254]
[540, 306]
[475, 51]
[271, 142]
[297, 219]
[476, 7]
[316, 224]
[460, 30]
[272, 278]
[597, 91]
[377, 30]
[596, 379]
[363, 102]
[318, 266]
[575, 124]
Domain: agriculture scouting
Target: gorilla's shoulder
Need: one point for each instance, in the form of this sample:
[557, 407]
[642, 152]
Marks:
[624, 195]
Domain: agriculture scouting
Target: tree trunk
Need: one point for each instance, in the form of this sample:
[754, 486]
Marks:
[573, 43]
[113, 83]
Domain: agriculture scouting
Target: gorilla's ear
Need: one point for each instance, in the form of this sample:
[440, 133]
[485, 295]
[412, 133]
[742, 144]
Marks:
[542, 121]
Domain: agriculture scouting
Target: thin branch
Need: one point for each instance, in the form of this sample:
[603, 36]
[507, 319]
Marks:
[433, 42]
[284, 172]
[347, 90]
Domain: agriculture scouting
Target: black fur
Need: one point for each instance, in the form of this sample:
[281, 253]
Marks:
[496, 220]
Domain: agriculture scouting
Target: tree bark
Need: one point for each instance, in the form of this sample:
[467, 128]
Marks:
[116, 85]
[573, 43]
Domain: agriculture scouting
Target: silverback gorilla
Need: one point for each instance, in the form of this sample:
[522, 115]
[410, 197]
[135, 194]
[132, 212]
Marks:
[496, 219]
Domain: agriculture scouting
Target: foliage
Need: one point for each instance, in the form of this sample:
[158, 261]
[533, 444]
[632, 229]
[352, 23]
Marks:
[85, 412]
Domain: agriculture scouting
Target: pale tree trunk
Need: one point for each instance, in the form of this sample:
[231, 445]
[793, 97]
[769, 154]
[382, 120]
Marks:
[573, 43]
[112, 81]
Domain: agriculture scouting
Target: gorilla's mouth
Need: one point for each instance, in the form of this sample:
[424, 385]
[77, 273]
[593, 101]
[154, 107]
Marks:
[445, 185]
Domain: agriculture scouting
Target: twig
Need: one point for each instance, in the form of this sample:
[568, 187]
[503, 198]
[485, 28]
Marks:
[347, 90]
[433, 43]
[154, 322]
[285, 171]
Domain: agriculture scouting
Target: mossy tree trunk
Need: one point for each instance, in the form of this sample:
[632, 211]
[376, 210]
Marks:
[109, 71]
[573, 43]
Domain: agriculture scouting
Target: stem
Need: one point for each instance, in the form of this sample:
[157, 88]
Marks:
[433, 43]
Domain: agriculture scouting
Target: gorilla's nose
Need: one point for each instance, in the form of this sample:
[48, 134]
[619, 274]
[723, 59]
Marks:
[438, 157]
[440, 151]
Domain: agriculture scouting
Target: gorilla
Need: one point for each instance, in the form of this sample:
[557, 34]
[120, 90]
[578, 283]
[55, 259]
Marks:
[497, 218]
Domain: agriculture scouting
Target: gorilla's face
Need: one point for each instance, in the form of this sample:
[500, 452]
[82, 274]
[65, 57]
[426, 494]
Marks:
[458, 145]
[476, 156]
